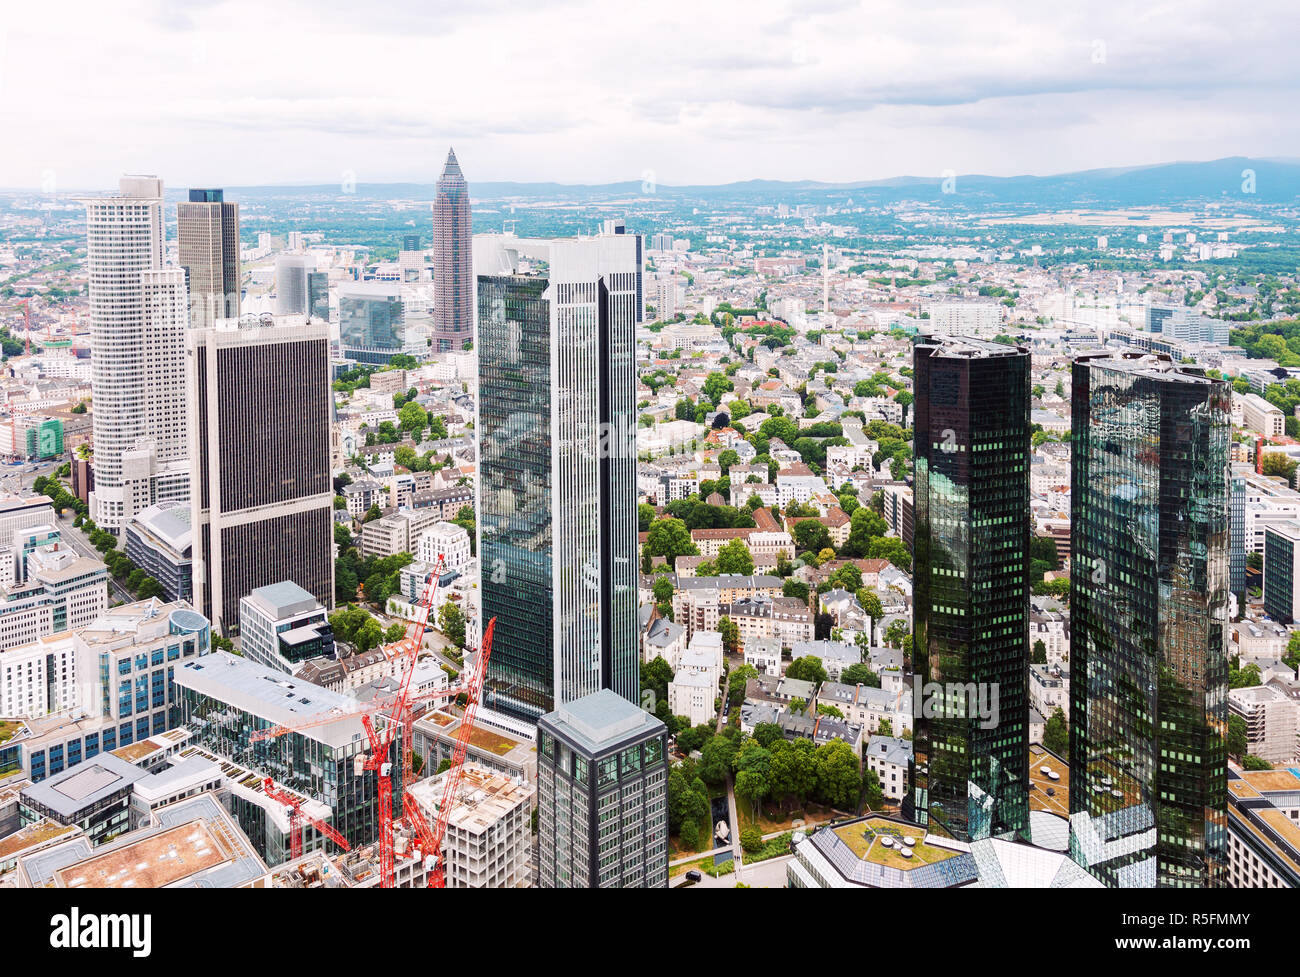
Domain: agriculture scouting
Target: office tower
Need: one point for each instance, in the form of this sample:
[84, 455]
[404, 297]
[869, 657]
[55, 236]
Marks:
[1240, 472]
[666, 298]
[372, 323]
[291, 272]
[602, 807]
[138, 319]
[557, 484]
[318, 295]
[1281, 581]
[261, 500]
[207, 238]
[453, 261]
[410, 242]
[614, 226]
[970, 634]
[1148, 600]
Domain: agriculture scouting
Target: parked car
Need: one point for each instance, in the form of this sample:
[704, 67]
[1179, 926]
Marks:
[693, 876]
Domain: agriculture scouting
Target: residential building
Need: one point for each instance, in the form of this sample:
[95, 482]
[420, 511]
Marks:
[971, 611]
[262, 497]
[1148, 603]
[446, 540]
[889, 758]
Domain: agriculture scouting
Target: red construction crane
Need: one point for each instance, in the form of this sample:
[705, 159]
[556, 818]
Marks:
[408, 646]
[431, 839]
[398, 710]
[296, 818]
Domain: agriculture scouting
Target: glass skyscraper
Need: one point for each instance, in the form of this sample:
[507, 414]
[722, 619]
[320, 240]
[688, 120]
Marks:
[970, 635]
[557, 490]
[1149, 600]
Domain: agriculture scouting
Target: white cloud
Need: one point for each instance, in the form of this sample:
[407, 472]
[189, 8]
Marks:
[236, 92]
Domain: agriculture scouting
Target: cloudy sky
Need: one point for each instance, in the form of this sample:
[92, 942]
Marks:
[238, 92]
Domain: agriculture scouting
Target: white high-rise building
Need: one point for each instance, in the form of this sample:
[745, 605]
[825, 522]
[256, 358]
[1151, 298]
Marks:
[291, 283]
[138, 317]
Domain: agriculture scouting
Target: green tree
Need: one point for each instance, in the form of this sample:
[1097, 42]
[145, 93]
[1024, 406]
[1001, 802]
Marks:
[734, 557]
[811, 536]
[669, 538]
[808, 668]
[1236, 741]
[736, 683]
[837, 778]
[870, 603]
[1056, 734]
[860, 674]
[451, 622]
[716, 759]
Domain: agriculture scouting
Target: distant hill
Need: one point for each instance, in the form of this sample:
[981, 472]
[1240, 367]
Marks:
[1275, 181]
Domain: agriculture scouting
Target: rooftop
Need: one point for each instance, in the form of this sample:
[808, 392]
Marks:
[192, 843]
[74, 790]
[601, 721]
[271, 695]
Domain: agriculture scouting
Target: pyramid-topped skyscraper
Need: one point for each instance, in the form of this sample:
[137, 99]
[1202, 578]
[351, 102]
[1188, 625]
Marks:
[453, 269]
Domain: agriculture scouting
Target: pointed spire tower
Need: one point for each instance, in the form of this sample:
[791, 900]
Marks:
[453, 268]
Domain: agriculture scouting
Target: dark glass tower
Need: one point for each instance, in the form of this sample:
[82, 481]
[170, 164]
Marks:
[453, 261]
[557, 490]
[970, 635]
[1149, 585]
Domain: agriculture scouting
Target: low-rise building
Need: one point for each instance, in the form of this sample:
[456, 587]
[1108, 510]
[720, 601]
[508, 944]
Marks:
[160, 542]
[488, 843]
[1272, 721]
[889, 758]
[282, 625]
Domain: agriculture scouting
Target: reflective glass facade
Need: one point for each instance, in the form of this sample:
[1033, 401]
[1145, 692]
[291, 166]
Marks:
[372, 323]
[970, 635]
[558, 482]
[1149, 585]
